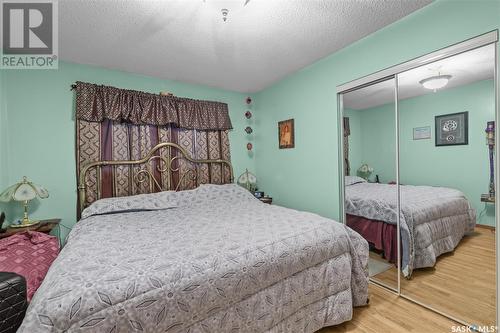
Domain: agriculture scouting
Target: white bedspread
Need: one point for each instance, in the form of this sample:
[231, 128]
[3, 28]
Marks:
[218, 260]
[433, 219]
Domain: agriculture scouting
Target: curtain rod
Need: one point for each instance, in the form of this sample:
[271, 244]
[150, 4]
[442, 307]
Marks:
[162, 93]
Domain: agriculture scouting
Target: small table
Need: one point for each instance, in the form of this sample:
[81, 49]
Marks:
[267, 200]
[487, 198]
[45, 226]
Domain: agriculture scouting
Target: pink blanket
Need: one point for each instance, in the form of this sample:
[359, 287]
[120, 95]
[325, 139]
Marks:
[29, 254]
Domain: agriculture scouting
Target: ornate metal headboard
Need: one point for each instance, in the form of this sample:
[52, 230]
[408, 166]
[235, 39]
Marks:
[153, 164]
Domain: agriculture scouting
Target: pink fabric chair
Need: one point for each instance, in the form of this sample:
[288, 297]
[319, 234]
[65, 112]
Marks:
[29, 254]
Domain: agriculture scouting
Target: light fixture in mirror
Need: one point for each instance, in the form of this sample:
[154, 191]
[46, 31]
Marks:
[435, 82]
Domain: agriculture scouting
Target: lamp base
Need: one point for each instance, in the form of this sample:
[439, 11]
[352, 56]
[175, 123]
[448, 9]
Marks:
[24, 224]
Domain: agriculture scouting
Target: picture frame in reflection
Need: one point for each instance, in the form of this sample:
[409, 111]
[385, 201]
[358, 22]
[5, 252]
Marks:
[452, 129]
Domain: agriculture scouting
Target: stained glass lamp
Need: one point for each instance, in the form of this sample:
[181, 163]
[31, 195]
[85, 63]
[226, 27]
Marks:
[365, 171]
[248, 181]
[24, 191]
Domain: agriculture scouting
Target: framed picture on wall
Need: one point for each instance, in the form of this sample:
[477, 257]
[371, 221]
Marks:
[452, 129]
[286, 134]
[421, 133]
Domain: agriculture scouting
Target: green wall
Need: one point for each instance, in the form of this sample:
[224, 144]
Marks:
[3, 139]
[41, 127]
[377, 141]
[306, 177]
[465, 168]
[462, 167]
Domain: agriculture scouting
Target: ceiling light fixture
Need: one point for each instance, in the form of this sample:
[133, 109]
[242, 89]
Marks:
[227, 6]
[224, 14]
[435, 82]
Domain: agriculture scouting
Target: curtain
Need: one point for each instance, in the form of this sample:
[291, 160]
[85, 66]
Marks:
[111, 140]
[127, 138]
[347, 132]
[98, 103]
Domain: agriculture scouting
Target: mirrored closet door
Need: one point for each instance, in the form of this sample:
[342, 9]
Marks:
[370, 171]
[420, 177]
[446, 115]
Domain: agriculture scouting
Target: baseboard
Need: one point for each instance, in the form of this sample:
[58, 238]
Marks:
[483, 226]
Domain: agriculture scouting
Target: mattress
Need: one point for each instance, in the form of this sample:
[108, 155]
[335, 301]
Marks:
[214, 259]
[433, 219]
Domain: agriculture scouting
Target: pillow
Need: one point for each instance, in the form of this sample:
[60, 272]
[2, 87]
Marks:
[227, 192]
[351, 180]
[150, 201]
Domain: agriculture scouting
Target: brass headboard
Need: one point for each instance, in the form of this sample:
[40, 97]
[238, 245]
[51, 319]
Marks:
[165, 165]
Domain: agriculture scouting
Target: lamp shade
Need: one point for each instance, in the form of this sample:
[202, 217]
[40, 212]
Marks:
[365, 171]
[23, 191]
[248, 181]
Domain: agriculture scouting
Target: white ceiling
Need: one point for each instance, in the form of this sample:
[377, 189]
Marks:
[464, 68]
[186, 40]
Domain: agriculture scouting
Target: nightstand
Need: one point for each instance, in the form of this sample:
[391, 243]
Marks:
[267, 200]
[45, 226]
[487, 198]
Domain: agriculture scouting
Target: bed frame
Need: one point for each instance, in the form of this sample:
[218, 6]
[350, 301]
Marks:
[166, 157]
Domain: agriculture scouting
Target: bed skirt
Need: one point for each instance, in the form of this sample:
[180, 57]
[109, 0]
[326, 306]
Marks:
[383, 236]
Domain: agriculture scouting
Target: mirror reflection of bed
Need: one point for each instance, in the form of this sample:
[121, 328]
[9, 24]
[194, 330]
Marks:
[370, 148]
[437, 142]
[462, 281]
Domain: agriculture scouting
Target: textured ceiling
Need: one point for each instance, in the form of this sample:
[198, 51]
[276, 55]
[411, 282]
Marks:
[464, 68]
[187, 40]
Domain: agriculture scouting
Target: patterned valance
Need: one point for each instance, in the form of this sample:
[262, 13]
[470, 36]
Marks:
[96, 103]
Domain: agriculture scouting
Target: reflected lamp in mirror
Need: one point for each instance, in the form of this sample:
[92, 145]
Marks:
[435, 82]
[24, 192]
[248, 181]
[365, 171]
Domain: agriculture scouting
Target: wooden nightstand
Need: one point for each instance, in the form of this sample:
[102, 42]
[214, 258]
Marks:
[267, 200]
[487, 198]
[45, 226]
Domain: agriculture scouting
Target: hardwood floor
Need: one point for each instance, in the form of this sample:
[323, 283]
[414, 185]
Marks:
[461, 284]
[388, 313]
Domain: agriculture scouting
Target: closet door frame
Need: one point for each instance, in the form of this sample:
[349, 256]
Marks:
[341, 166]
[394, 71]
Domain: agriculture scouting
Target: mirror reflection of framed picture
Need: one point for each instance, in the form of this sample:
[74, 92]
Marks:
[452, 129]
[286, 134]
[421, 133]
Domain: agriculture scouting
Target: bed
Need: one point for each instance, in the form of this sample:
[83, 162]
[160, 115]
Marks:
[433, 219]
[210, 259]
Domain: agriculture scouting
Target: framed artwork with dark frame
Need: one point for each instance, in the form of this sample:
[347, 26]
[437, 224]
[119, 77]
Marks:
[286, 134]
[452, 129]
